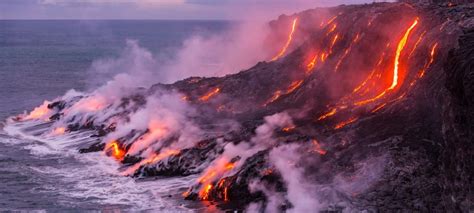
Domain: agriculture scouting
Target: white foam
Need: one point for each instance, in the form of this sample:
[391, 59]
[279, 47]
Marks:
[95, 176]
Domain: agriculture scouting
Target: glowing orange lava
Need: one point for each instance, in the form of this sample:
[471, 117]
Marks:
[288, 129]
[277, 94]
[39, 112]
[288, 42]
[333, 27]
[328, 114]
[293, 86]
[210, 94]
[333, 42]
[317, 148]
[379, 107]
[346, 52]
[432, 54]
[312, 64]
[163, 155]
[59, 131]
[345, 123]
[117, 152]
[417, 43]
[152, 159]
[211, 174]
[400, 47]
[204, 194]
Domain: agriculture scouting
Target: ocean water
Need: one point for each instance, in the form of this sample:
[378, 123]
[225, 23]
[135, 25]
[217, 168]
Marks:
[41, 60]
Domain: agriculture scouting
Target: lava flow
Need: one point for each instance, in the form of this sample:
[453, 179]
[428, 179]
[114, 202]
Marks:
[39, 112]
[59, 131]
[210, 94]
[208, 178]
[343, 93]
[400, 47]
[288, 42]
[114, 149]
[276, 95]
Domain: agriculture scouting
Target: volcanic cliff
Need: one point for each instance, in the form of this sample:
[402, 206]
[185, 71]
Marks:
[362, 107]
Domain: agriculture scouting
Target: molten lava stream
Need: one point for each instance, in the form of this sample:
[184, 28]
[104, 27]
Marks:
[317, 148]
[39, 112]
[420, 38]
[114, 149]
[333, 42]
[210, 94]
[276, 95]
[328, 114]
[288, 42]
[370, 75]
[432, 53]
[152, 159]
[310, 66]
[346, 52]
[400, 48]
[332, 29]
[413, 82]
[211, 174]
[345, 123]
[293, 86]
[59, 131]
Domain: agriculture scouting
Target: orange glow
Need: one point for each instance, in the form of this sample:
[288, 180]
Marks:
[345, 123]
[400, 47]
[432, 54]
[370, 75]
[293, 86]
[91, 104]
[317, 148]
[288, 42]
[204, 194]
[211, 174]
[59, 131]
[379, 107]
[312, 64]
[152, 159]
[210, 94]
[417, 43]
[346, 52]
[186, 193]
[328, 114]
[185, 98]
[163, 155]
[333, 42]
[117, 152]
[226, 196]
[275, 96]
[324, 56]
[333, 27]
[364, 82]
[332, 19]
[288, 129]
[370, 21]
[39, 112]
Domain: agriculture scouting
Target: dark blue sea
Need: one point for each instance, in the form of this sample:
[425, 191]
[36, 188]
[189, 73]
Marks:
[41, 60]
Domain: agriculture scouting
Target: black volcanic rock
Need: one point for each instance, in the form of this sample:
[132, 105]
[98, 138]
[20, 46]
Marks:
[407, 148]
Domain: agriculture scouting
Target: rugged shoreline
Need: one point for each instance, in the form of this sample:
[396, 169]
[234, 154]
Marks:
[377, 145]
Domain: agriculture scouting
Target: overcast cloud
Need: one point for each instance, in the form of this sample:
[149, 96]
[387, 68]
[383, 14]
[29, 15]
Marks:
[156, 9]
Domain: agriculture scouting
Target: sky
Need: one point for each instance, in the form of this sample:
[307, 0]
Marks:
[158, 9]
